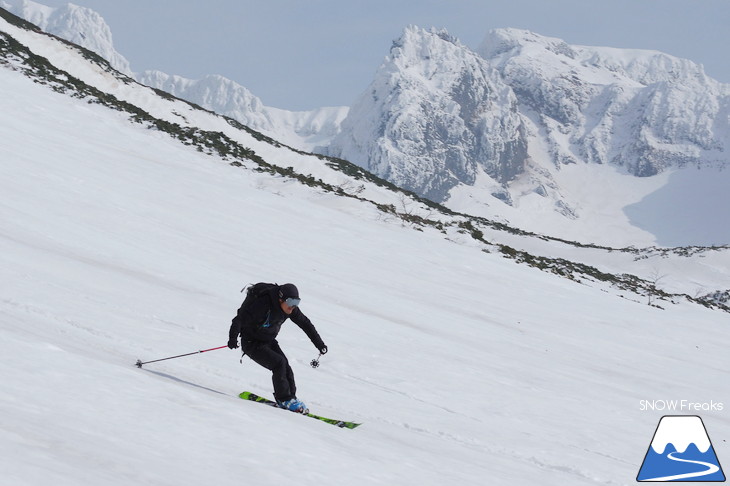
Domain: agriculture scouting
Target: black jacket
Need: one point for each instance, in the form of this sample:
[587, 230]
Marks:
[261, 321]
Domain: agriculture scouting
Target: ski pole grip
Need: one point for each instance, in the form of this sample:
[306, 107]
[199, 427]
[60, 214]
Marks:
[212, 349]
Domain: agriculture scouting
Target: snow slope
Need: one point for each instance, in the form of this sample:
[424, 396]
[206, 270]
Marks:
[120, 243]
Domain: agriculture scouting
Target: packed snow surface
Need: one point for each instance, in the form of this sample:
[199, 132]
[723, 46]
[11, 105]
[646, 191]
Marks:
[118, 243]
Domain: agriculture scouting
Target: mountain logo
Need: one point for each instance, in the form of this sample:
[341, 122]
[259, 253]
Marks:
[680, 451]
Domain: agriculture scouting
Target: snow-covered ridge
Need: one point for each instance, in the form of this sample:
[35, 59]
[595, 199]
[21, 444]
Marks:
[643, 110]
[306, 130]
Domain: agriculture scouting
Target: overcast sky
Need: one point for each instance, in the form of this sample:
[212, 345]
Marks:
[303, 54]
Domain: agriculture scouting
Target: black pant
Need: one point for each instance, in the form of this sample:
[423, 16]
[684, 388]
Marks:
[270, 356]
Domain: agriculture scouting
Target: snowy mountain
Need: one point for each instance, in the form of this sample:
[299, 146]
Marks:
[494, 132]
[306, 130]
[434, 116]
[643, 110]
[644, 113]
[80, 25]
[470, 351]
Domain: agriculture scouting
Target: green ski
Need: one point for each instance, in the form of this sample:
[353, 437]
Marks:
[340, 423]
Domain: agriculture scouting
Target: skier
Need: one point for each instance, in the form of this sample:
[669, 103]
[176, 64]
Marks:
[258, 322]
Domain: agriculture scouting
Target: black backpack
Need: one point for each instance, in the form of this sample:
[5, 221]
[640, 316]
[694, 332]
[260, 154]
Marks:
[256, 290]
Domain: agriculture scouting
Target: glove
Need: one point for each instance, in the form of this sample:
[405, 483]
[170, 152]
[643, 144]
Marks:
[323, 349]
[233, 343]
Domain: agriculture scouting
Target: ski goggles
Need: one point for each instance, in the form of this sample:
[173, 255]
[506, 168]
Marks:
[292, 302]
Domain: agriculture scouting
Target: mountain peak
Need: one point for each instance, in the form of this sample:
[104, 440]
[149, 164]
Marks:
[420, 48]
[414, 32]
[511, 40]
[436, 115]
[644, 66]
[80, 25]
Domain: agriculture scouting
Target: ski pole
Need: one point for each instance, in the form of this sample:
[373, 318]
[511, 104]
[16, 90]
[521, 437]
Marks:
[139, 363]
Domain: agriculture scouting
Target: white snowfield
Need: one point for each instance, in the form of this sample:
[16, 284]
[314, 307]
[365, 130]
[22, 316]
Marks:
[119, 243]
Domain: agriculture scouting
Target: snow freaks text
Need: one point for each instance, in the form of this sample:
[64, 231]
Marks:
[680, 406]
